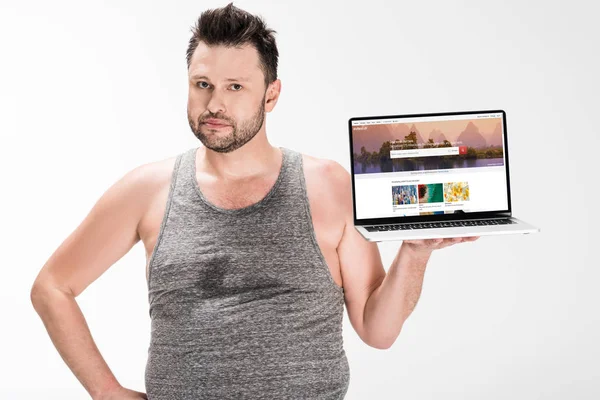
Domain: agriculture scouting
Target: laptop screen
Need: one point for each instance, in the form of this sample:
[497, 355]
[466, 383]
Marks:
[429, 164]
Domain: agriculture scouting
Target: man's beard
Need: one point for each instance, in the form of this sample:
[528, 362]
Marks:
[238, 137]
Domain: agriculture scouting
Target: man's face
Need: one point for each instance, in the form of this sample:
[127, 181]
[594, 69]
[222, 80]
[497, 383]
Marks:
[226, 84]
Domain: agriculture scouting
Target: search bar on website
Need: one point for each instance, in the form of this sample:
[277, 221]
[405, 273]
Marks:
[440, 151]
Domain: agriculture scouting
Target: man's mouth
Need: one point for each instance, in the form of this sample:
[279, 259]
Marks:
[215, 126]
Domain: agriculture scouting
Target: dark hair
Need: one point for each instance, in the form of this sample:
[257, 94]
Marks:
[234, 27]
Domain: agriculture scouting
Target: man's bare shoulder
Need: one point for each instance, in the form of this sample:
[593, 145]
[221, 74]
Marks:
[154, 175]
[152, 181]
[328, 174]
[147, 186]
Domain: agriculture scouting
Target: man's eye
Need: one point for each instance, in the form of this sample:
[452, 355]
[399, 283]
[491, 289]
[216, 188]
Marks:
[237, 86]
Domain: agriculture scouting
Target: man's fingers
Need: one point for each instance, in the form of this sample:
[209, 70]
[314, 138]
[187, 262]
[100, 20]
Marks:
[440, 243]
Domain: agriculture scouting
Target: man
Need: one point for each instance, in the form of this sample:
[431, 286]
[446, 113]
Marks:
[251, 249]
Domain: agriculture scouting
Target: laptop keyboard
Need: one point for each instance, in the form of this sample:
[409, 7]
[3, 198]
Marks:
[444, 224]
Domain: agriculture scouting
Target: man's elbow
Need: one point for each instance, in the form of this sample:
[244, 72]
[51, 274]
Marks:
[38, 294]
[383, 347]
[41, 292]
[381, 344]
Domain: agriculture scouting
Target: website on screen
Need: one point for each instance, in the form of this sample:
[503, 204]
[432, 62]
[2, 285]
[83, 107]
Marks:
[429, 165]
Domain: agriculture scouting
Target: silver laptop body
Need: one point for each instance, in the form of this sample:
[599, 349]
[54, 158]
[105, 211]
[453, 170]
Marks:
[435, 175]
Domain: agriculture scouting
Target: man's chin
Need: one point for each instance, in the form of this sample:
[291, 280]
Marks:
[222, 149]
[219, 148]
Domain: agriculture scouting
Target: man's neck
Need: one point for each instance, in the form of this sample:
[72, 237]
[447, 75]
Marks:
[254, 159]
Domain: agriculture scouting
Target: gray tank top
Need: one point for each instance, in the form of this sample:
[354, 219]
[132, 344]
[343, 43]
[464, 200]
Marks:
[242, 303]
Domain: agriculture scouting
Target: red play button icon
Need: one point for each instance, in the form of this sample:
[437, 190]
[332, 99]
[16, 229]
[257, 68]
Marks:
[462, 149]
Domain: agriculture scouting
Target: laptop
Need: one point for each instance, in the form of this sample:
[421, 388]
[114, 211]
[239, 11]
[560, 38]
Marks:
[435, 175]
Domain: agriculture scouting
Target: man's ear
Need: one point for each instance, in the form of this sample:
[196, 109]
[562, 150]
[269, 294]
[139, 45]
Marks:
[272, 96]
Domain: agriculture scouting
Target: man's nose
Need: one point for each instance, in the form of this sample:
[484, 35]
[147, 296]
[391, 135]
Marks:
[216, 104]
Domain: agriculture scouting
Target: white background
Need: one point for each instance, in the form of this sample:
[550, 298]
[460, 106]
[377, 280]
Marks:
[90, 90]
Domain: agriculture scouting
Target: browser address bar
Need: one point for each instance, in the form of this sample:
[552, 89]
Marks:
[440, 151]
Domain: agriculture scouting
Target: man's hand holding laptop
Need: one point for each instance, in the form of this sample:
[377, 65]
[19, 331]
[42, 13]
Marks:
[426, 246]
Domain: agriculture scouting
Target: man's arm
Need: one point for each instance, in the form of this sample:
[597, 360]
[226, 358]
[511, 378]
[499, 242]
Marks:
[395, 299]
[392, 302]
[360, 261]
[106, 234]
[378, 303]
